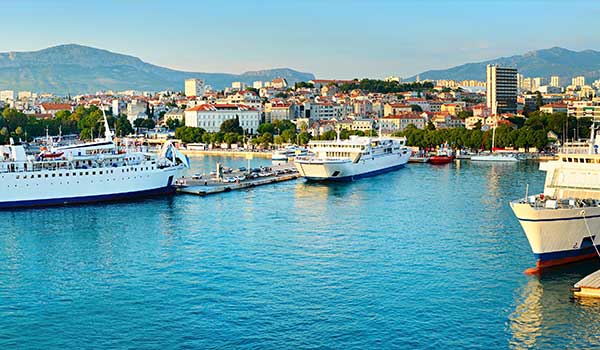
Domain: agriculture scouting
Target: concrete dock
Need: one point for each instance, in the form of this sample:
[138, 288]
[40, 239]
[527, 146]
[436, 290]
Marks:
[204, 187]
[589, 286]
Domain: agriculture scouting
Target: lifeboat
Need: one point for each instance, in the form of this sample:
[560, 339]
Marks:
[51, 155]
[441, 159]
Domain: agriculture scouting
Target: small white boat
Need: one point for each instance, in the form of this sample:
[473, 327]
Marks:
[496, 157]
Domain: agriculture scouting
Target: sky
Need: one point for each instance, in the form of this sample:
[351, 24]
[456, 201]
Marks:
[332, 39]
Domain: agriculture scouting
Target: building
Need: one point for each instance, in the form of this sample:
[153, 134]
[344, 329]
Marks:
[53, 108]
[501, 89]
[194, 87]
[210, 116]
[554, 108]
[555, 81]
[238, 85]
[279, 83]
[578, 81]
[396, 109]
[395, 123]
[174, 114]
[536, 83]
[526, 84]
[7, 95]
[452, 108]
[136, 109]
[278, 111]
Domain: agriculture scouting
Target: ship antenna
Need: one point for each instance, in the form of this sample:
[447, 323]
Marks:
[107, 133]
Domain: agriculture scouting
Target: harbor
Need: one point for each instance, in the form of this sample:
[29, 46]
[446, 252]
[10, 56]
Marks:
[236, 180]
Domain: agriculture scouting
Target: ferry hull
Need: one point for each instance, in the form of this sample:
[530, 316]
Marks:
[85, 186]
[559, 236]
[126, 196]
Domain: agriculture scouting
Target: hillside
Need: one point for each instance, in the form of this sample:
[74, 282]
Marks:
[541, 63]
[81, 69]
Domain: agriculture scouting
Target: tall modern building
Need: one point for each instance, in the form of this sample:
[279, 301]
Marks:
[578, 81]
[194, 87]
[555, 81]
[501, 89]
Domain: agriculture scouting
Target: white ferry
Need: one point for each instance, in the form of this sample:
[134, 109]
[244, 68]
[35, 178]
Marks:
[354, 158]
[288, 152]
[562, 223]
[83, 173]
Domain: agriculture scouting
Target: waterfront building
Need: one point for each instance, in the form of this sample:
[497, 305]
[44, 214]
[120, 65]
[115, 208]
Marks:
[194, 87]
[555, 81]
[501, 89]
[211, 116]
[583, 109]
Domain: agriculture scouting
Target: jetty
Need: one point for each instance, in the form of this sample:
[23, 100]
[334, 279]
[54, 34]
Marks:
[236, 180]
[589, 286]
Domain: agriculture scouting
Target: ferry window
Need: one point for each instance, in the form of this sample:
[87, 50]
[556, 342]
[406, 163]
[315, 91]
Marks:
[45, 175]
[74, 174]
[67, 174]
[87, 172]
[53, 175]
[100, 173]
[93, 173]
[60, 175]
[39, 175]
[17, 177]
[81, 174]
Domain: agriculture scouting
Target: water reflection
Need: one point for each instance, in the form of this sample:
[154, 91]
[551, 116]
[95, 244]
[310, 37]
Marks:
[546, 315]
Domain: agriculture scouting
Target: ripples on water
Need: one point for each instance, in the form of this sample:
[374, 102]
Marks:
[425, 257]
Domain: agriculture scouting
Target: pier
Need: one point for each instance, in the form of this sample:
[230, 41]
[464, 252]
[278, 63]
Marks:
[589, 286]
[231, 182]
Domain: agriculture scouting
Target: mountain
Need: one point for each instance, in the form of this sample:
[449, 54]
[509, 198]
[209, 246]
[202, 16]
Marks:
[81, 69]
[541, 63]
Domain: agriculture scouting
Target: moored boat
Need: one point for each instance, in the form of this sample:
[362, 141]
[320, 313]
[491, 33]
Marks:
[357, 157]
[563, 222]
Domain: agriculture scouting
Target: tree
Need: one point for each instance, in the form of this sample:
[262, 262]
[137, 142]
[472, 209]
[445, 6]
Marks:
[231, 125]
[303, 138]
[278, 140]
[288, 135]
[230, 138]
[477, 125]
[173, 124]
[266, 127]
[122, 126]
[430, 126]
[416, 108]
[138, 122]
[539, 102]
[266, 138]
[148, 123]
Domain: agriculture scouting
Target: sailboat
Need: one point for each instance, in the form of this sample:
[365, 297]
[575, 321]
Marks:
[494, 156]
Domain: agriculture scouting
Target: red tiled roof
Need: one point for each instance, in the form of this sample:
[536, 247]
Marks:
[57, 106]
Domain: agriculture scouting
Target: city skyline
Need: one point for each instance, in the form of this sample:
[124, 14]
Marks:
[382, 38]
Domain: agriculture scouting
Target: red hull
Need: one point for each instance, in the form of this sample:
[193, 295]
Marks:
[441, 159]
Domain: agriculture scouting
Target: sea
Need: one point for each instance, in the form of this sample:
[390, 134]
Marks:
[426, 257]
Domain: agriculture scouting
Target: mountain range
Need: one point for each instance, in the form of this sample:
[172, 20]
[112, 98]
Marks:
[74, 69]
[541, 63]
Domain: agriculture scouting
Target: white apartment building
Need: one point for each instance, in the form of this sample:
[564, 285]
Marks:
[194, 87]
[238, 85]
[578, 81]
[7, 95]
[555, 81]
[136, 109]
[210, 116]
[278, 111]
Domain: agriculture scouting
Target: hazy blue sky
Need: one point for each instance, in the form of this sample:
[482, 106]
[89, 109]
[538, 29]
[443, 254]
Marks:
[333, 39]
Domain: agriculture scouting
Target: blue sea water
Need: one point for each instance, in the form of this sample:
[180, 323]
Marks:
[424, 257]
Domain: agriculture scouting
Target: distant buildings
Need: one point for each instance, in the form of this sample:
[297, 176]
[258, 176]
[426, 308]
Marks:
[578, 81]
[136, 109]
[194, 87]
[555, 81]
[501, 89]
[53, 108]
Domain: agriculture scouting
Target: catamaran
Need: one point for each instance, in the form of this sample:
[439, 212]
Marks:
[88, 172]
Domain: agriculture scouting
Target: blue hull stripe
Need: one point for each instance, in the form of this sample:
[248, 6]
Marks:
[359, 176]
[547, 257]
[561, 219]
[88, 199]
